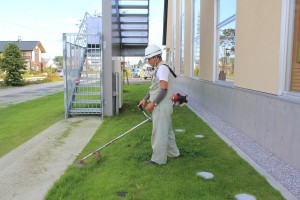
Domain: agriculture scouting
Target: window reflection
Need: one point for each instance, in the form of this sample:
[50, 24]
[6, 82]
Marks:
[227, 8]
[196, 38]
[226, 52]
[226, 39]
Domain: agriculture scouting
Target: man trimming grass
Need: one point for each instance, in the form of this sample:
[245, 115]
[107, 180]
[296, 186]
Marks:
[121, 170]
[160, 104]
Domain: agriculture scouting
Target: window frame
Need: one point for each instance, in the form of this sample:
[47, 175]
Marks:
[285, 71]
[218, 26]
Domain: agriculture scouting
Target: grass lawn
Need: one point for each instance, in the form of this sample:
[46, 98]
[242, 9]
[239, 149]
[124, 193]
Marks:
[121, 173]
[23, 121]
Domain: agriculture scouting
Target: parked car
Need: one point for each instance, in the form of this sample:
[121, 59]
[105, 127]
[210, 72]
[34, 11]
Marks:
[148, 72]
[136, 72]
[60, 72]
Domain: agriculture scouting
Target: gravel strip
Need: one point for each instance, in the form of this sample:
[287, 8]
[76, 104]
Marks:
[283, 173]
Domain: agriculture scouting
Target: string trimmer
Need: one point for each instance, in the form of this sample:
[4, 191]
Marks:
[97, 151]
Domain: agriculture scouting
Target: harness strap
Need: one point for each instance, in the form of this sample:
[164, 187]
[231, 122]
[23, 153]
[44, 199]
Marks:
[172, 72]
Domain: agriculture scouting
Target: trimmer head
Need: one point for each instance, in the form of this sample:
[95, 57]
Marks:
[98, 155]
[81, 162]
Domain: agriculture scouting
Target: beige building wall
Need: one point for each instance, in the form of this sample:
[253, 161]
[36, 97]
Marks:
[187, 37]
[177, 53]
[206, 39]
[257, 45]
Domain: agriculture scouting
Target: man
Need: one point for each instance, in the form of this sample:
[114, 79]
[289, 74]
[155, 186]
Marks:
[160, 96]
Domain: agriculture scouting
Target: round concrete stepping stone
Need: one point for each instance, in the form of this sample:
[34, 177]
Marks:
[179, 130]
[205, 175]
[244, 197]
[199, 136]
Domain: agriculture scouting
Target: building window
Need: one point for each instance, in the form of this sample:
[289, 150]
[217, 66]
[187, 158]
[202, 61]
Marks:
[226, 39]
[181, 53]
[37, 56]
[196, 38]
[294, 63]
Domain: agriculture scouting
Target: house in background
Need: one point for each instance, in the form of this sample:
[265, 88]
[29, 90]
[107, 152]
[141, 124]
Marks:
[32, 53]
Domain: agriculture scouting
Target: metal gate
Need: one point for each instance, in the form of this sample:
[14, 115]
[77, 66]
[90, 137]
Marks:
[83, 74]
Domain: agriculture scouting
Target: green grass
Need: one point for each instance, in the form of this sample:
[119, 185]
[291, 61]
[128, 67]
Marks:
[23, 121]
[122, 170]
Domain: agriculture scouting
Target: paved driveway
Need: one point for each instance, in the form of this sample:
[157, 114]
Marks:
[20, 94]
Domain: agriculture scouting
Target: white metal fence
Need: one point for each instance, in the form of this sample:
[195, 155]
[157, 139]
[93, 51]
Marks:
[83, 74]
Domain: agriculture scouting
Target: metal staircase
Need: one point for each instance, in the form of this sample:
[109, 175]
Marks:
[132, 26]
[86, 96]
[83, 61]
[83, 72]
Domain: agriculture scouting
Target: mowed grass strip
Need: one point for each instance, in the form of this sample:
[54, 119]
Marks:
[121, 173]
[22, 121]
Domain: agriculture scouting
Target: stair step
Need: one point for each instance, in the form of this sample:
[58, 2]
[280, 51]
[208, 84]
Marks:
[91, 72]
[87, 101]
[88, 86]
[85, 110]
[89, 78]
[87, 93]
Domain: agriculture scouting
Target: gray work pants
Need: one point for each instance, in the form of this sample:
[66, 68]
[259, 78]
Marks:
[163, 138]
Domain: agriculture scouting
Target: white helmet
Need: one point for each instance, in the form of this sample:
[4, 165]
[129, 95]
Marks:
[152, 50]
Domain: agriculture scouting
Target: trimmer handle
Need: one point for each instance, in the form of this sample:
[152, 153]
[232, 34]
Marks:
[145, 114]
[140, 107]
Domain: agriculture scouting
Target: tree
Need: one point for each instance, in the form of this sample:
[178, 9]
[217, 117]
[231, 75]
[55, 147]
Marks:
[59, 60]
[227, 41]
[140, 63]
[227, 49]
[13, 64]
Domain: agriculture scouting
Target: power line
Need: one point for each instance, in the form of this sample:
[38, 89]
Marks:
[28, 27]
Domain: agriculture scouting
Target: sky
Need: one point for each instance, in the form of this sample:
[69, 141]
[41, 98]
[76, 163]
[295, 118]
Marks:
[46, 21]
